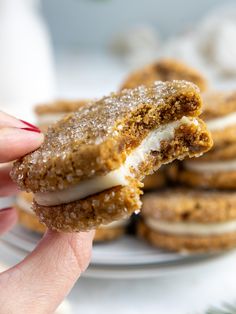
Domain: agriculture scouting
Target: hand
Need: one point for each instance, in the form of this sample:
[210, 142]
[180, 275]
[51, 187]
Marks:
[40, 282]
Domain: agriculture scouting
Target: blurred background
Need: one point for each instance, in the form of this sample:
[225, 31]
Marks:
[84, 48]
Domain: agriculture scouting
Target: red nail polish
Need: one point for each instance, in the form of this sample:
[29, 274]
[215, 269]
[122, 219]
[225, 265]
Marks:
[5, 209]
[31, 126]
[31, 130]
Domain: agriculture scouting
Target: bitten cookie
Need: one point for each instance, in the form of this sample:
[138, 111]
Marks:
[165, 70]
[189, 220]
[87, 172]
[217, 168]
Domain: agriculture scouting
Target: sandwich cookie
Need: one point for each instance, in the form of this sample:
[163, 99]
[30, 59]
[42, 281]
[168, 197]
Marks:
[87, 172]
[217, 168]
[189, 220]
[48, 114]
[165, 70]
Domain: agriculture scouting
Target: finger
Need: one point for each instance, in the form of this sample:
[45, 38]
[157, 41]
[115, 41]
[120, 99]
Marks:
[15, 143]
[47, 275]
[8, 218]
[7, 187]
[9, 121]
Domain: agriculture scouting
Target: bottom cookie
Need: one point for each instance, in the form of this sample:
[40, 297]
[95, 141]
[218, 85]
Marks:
[29, 220]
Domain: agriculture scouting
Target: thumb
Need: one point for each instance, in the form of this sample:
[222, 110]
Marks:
[42, 280]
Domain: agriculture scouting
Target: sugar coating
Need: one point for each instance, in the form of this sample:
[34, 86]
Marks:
[95, 139]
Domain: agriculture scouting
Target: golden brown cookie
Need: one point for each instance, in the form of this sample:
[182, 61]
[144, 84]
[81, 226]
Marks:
[88, 170]
[189, 220]
[165, 70]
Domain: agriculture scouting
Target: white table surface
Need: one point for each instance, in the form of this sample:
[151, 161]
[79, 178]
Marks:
[188, 292]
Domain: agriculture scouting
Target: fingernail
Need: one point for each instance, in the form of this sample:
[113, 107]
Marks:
[5, 209]
[31, 126]
[31, 130]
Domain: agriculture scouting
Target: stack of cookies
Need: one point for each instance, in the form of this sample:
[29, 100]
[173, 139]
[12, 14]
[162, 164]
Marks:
[200, 215]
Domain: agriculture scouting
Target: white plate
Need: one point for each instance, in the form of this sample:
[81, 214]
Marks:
[127, 257]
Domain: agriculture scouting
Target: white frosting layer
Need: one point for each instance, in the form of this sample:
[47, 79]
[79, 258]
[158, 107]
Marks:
[50, 118]
[83, 189]
[198, 229]
[222, 122]
[212, 167]
[117, 177]
[24, 205]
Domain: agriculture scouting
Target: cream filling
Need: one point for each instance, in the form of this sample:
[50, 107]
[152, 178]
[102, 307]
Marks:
[24, 205]
[198, 229]
[211, 167]
[222, 122]
[152, 142]
[49, 118]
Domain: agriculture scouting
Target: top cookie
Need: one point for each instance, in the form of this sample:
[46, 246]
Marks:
[188, 205]
[165, 70]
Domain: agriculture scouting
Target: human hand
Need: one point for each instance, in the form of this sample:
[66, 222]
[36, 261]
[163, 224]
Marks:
[41, 281]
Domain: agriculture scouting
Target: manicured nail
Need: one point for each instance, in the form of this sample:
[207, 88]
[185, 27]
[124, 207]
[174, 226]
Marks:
[31, 130]
[5, 209]
[31, 126]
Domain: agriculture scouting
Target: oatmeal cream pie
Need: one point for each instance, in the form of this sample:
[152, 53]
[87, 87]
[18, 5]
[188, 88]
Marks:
[87, 172]
[165, 70]
[189, 220]
[217, 168]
